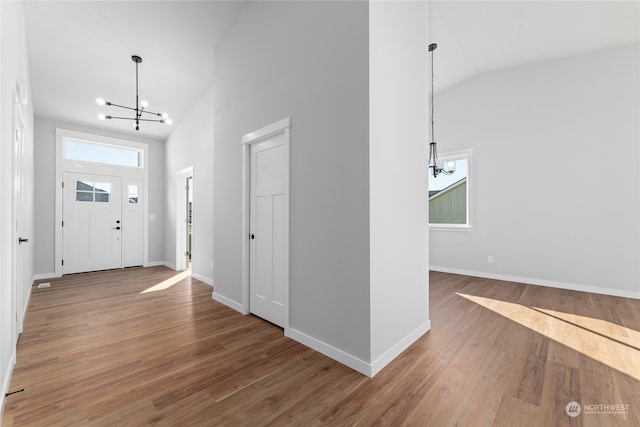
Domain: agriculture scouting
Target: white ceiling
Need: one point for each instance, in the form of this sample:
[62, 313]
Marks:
[474, 37]
[81, 50]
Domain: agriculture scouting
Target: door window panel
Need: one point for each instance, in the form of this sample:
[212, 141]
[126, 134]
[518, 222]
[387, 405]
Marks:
[93, 192]
[133, 194]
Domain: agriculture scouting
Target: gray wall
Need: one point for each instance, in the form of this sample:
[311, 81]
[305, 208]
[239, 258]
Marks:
[309, 61]
[191, 144]
[556, 183]
[45, 162]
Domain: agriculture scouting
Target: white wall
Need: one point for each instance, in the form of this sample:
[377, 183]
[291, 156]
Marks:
[45, 162]
[14, 69]
[556, 183]
[398, 154]
[308, 61]
[191, 144]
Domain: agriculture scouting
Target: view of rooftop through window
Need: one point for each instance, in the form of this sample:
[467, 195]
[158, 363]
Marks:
[448, 195]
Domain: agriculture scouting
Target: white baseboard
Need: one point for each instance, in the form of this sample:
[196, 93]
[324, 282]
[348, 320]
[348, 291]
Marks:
[157, 263]
[331, 351]
[228, 302]
[44, 276]
[203, 279]
[397, 349]
[540, 282]
[355, 363]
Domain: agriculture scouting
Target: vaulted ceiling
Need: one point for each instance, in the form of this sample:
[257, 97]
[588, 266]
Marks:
[81, 50]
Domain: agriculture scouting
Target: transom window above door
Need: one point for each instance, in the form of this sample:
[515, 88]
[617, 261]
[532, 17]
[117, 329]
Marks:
[95, 152]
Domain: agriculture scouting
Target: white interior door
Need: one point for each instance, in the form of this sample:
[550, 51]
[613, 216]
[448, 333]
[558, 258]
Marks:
[92, 223]
[268, 228]
[18, 285]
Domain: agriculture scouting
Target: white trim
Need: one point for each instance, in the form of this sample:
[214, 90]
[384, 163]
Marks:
[328, 350]
[540, 282]
[267, 131]
[157, 263]
[203, 279]
[44, 276]
[165, 263]
[281, 126]
[229, 302]
[64, 165]
[389, 355]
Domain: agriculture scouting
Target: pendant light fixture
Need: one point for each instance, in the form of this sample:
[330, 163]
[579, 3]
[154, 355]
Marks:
[139, 109]
[434, 167]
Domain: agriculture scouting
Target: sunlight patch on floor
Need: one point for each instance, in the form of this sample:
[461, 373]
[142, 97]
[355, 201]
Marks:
[166, 284]
[614, 345]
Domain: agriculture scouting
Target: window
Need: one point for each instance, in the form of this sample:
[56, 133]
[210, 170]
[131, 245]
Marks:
[93, 192]
[102, 153]
[449, 194]
[133, 194]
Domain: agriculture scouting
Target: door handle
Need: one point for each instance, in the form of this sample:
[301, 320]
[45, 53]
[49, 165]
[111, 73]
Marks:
[253, 236]
[21, 240]
[116, 228]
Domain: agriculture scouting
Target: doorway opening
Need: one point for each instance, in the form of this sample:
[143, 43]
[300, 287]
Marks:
[189, 220]
[184, 219]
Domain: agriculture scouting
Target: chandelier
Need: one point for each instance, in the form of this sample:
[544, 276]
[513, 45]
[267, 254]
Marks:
[436, 169]
[140, 108]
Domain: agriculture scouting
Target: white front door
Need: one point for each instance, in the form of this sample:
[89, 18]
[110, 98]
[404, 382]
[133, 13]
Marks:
[268, 222]
[92, 223]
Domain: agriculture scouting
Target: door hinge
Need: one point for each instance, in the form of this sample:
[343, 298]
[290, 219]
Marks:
[62, 262]
[62, 184]
[63, 223]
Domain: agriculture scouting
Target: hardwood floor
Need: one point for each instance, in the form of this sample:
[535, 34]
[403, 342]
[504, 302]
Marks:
[97, 351]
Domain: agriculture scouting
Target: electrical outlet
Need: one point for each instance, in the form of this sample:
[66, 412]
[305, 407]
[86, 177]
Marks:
[490, 259]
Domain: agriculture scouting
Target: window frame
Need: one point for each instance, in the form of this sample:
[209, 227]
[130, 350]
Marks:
[465, 154]
[125, 148]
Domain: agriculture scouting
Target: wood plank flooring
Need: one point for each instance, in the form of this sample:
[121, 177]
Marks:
[96, 351]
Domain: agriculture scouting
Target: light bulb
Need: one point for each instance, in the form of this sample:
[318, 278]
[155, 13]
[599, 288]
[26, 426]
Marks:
[168, 122]
[164, 115]
[451, 166]
[144, 104]
[101, 116]
[100, 101]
